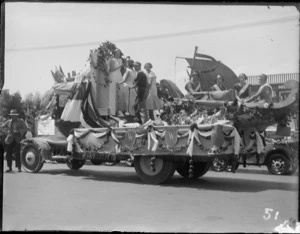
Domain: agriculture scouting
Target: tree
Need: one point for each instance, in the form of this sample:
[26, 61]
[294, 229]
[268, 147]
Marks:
[9, 102]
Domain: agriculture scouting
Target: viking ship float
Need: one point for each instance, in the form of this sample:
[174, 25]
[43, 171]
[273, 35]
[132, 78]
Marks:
[189, 134]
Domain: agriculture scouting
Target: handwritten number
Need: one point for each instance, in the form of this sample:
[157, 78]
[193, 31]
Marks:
[276, 215]
[267, 213]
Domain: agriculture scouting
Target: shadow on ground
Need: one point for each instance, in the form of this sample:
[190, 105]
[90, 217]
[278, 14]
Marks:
[207, 182]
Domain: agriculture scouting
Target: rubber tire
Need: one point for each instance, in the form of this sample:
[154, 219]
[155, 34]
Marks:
[38, 162]
[229, 170]
[278, 156]
[96, 162]
[165, 173]
[200, 169]
[223, 168]
[75, 164]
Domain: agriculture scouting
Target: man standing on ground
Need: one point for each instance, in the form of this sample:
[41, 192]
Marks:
[142, 91]
[16, 129]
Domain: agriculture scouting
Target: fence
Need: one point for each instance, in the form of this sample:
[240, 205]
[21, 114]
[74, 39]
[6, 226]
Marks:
[275, 78]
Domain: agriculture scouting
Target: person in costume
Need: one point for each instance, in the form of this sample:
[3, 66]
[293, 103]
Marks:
[219, 86]
[242, 89]
[264, 93]
[194, 85]
[152, 102]
[115, 76]
[128, 94]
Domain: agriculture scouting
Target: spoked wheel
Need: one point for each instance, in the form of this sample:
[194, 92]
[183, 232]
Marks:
[200, 169]
[75, 164]
[31, 159]
[278, 164]
[164, 169]
[218, 164]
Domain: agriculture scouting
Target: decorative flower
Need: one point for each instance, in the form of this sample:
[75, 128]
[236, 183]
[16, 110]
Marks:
[266, 105]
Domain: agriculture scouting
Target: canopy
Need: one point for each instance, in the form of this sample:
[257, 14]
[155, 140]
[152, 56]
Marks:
[209, 69]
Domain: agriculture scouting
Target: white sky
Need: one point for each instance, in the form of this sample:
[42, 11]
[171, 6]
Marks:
[269, 49]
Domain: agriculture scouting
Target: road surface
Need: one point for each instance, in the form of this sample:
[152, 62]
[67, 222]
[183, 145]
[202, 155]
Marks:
[103, 198]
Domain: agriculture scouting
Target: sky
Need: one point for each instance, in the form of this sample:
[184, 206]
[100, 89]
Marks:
[30, 28]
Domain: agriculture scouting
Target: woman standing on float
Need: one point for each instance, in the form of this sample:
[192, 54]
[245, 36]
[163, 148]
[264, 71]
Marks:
[115, 76]
[127, 93]
[152, 102]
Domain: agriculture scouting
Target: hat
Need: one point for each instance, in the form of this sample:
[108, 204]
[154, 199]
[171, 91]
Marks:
[13, 112]
[137, 63]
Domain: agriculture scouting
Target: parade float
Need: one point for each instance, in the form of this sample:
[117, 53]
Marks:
[185, 137]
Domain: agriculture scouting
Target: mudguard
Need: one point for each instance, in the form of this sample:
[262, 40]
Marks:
[41, 144]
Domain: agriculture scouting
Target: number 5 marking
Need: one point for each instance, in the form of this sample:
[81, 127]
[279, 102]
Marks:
[267, 213]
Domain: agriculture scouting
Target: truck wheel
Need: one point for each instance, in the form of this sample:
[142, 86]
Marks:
[200, 169]
[218, 164]
[31, 159]
[278, 164]
[164, 169]
[96, 161]
[75, 164]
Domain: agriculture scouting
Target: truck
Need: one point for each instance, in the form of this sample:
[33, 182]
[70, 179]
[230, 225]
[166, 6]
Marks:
[185, 137]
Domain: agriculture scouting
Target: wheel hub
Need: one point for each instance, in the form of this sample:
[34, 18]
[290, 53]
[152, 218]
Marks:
[277, 165]
[30, 158]
[146, 165]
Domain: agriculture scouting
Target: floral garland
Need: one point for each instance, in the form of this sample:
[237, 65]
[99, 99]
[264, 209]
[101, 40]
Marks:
[104, 53]
[176, 112]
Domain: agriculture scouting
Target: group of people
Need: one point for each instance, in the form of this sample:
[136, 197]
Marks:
[138, 91]
[138, 88]
[242, 89]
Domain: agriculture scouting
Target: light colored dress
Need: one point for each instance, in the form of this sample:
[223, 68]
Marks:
[115, 77]
[128, 95]
[152, 102]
